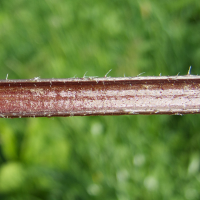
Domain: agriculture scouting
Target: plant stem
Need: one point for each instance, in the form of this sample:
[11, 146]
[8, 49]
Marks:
[100, 96]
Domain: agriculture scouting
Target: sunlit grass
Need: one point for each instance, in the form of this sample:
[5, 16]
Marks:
[127, 157]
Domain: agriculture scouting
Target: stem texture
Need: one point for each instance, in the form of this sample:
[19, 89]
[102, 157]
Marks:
[100, 96]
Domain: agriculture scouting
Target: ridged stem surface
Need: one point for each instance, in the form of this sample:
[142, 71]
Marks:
[100, 96]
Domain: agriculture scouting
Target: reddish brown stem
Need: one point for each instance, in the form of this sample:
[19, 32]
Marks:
[100, 96]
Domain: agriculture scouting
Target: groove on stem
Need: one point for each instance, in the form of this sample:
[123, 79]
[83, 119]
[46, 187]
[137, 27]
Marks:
[100, 96]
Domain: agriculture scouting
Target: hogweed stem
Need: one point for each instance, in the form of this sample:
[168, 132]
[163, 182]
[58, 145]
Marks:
[100, 96]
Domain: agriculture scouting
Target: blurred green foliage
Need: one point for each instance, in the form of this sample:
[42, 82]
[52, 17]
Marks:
[113, 157]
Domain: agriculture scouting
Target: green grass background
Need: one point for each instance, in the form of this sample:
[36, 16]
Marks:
[107, 157]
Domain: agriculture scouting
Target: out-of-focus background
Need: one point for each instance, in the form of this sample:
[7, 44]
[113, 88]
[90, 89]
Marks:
[107, 157]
